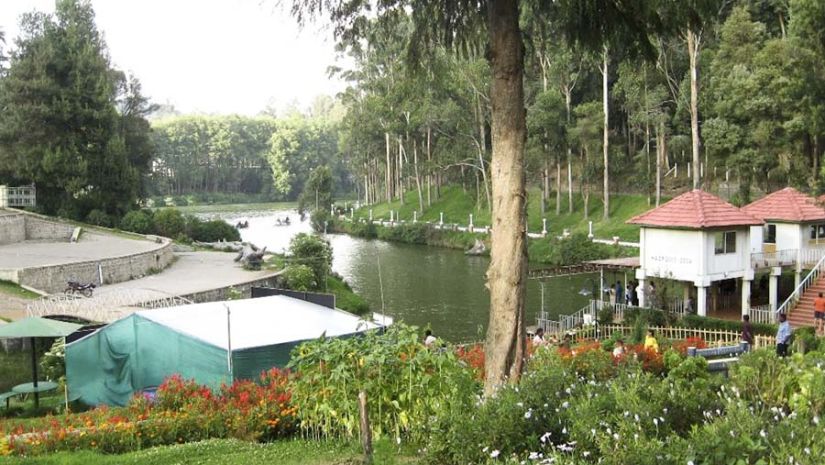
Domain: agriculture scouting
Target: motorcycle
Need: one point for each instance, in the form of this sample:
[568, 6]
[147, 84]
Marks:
[74, 287]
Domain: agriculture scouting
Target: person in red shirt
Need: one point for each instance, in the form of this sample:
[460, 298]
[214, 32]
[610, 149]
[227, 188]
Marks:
[819, 314]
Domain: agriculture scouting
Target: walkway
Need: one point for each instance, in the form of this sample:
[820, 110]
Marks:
[91, 246]
[192, 273]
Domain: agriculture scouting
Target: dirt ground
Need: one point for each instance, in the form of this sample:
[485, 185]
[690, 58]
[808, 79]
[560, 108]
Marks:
[12, 307]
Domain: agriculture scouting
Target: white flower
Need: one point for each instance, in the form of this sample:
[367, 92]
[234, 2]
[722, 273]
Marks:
[528, 414]
[763, 434]
[656, 422]
[690, 462]
[545, 437]
[495, 453]
[534, 456]
[565, 404]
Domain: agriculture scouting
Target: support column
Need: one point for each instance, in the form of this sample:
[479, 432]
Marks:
[773, 288]
[702, 300]
[746, 296]
[798, 271]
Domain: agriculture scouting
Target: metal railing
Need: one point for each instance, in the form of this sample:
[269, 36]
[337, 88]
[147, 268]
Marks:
[785, 257]
[588, 315]
[104, 307]
[810, 255]
[802, 287]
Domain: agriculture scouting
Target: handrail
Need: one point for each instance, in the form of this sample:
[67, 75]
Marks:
[803, 285]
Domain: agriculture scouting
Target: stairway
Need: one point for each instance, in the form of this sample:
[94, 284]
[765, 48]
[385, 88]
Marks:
[803, 313]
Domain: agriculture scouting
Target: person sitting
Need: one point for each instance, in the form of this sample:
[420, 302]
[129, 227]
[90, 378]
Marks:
[538, 339]
[618, 349]
[650, 342]
[429, 339]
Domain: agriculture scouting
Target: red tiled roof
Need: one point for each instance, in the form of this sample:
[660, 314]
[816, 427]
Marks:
[696, 209]
[787, 204]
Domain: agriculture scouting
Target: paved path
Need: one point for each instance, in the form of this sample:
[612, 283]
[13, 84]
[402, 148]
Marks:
[91, 246]
[193, 272]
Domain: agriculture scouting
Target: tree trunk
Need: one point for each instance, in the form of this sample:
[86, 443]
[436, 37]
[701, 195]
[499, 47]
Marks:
[400, 173]
[418, 177]
[567, 103]
[429, 168]
[506, 277]
[389, 168]
[558, 186]
[585, 185]
[693, 50]
[605, 142]
[659, 149]
[482, 134]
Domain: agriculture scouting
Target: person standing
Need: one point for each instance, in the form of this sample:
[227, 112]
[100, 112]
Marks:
[819, 315]
[619, 293]
[650, 294]
[538, 339]
[747, 332]
[783, 336]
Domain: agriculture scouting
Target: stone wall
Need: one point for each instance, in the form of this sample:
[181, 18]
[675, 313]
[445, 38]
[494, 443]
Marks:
[12, 229]
[42, 229]
[245, 289]
[53, 278]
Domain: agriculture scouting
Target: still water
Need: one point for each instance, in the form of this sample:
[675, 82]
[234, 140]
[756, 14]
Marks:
[420, 285]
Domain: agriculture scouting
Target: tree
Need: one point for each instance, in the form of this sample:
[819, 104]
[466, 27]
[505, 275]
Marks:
[317, 193]
[60, 127]
[460, 23]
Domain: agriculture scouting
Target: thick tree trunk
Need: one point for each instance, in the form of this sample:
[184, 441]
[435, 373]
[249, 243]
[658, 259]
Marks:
[506, 276]
[605, 142]
[693, 51]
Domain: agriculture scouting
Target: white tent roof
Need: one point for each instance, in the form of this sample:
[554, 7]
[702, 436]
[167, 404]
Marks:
[257, 322]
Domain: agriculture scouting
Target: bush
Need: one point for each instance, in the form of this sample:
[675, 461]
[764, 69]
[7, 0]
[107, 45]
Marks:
[211, 231]
[314, 252]
[137, 221]
[320, 218]
[696, 321]
[99, 218]
[300, 278]
[170, 223]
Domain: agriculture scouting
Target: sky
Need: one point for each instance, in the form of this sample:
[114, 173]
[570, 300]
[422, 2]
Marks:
[209, 56]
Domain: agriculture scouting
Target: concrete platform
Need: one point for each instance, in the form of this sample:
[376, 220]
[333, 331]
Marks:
[91, 246]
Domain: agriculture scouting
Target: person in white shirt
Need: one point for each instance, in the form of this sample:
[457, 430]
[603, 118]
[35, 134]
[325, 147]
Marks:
[618, 349]
[538, 339]
[429, 339]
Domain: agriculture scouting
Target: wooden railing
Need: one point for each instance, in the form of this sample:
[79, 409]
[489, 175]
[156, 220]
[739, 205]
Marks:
[713, 337]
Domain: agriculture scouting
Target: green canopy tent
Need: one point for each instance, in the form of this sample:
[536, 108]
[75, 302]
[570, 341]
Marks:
[33, 328]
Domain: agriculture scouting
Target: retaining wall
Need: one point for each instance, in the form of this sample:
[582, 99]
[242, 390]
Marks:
[52, 278]
[12, 229]
[222, 293]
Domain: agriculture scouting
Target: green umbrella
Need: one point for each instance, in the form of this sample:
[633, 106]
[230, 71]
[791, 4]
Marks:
[34, 327]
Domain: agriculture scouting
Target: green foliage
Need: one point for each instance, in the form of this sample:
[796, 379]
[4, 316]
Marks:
[98, 218]
[695, 321]
[210, 231]
[314, 252]
[320, 220]
[71, 123]
[138, 221]
[317, 192]
[300, 278]
[345, 297]
[169, 222]
[406, 384]
[53, 362]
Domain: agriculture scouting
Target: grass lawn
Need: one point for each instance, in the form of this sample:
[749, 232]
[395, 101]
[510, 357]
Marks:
[9, 288]
[235, 207]
[232, 452]
[457, 206]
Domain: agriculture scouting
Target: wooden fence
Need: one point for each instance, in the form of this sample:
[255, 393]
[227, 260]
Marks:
[713, 337]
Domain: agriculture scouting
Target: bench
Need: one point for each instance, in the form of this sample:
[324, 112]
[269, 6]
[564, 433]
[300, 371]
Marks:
[731, 353]
[6, 396]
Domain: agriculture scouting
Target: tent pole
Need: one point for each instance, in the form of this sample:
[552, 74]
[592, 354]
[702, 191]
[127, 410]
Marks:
[229, 344]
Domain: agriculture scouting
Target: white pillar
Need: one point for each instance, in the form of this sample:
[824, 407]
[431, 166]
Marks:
[470, 227]
[702, 300]
[773, 287]
[601, 285]
[746, 296]
[415, 216]
[544, 226]
[390, 216]
[640, 292]
[351, 213]
[590, 230]
[332, 209]
[370, 215]
[441, 219]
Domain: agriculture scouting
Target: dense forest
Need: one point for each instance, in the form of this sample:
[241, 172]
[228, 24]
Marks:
[731, 104]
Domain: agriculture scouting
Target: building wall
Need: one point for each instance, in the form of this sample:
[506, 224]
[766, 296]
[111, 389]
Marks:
[671, 253]
[730, 265]
[53, 278]
[789, 236]
[12, 229]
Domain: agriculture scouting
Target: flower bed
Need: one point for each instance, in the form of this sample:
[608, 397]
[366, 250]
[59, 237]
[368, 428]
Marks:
[182, 411]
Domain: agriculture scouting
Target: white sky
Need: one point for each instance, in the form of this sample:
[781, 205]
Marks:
[211, 56]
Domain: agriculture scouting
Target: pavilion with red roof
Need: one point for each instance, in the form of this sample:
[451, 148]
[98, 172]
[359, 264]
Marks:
[700, 240]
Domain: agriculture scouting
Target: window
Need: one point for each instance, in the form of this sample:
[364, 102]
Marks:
[770, 234]
[725, 242]
[817, 231]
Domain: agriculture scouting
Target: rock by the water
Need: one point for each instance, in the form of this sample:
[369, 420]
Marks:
[478, 248]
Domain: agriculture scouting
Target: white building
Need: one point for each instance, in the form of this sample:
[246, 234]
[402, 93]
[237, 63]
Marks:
[702, 241]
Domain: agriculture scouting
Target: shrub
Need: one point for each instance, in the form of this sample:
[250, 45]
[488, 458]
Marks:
[314, 252]
[53, 362]
[137, 221]
[170, 223]
[300, 278]
[211, 231]
[319, 218]
[99, 218]
[702, 322]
